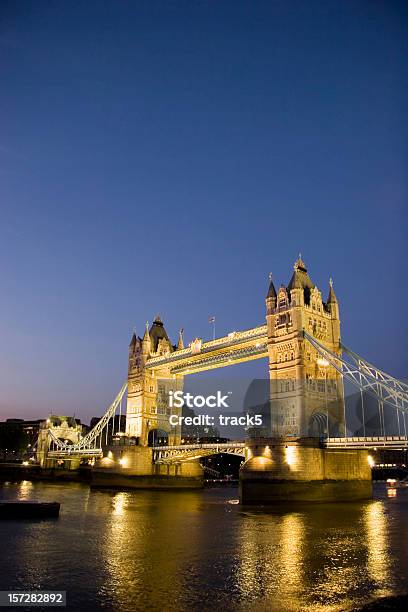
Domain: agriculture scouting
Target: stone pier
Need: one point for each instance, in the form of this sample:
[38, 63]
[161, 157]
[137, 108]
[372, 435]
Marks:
[286, 470]
[132, 467]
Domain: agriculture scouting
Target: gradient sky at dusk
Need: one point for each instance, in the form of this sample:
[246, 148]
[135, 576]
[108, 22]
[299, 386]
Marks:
[164, 157]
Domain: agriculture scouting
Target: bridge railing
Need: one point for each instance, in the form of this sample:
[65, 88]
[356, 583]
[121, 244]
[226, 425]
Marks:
[231, 339]
[209, 445]
[90, 452]
[391, 442]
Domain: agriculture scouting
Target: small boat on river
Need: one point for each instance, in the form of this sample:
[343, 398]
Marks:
[393, 483]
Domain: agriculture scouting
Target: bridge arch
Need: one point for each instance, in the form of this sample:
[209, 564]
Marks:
[318, 425]
[192, 452]
[157, 437]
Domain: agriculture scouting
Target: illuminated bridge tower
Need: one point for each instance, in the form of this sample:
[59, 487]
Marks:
[307, 402]
[307, 397]
[147, 414]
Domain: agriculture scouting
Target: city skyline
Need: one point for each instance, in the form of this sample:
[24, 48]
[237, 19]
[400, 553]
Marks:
[165, 160]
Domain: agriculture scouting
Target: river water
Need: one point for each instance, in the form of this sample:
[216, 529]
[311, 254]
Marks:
[201, 550]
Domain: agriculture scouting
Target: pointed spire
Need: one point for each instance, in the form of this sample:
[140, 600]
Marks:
[299, 264]
[296, 280]
[300, 278]
[271, 296]
[271, 291]
[146, 335]
[158, 335]
[332, 299]
[180, 343]
[133, 340]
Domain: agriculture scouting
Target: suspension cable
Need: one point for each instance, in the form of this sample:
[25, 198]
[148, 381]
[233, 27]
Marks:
[91, 437]
[378, 387]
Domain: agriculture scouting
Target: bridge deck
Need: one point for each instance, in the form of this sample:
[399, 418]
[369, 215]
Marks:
[235, 347]
[188, 452]
[395, 442]
[81, 453]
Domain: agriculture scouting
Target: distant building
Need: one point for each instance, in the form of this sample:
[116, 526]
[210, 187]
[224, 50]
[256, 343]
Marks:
[30, 428]
[17, 438]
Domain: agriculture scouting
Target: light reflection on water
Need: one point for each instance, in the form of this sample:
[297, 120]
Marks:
[200, 550]
[25, 489]
[378, 555]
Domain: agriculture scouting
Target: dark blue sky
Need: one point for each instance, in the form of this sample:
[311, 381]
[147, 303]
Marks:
[164, 157]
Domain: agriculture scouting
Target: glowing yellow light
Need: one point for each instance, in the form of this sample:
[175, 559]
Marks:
[267, 452]
[123, 462]
[105, 461]
[290, 455]
[25, 462]
[371, 461]
[261, 460]
[110, 455]
[323, 362]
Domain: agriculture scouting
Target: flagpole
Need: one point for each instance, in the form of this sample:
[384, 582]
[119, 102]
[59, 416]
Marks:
[211, 320]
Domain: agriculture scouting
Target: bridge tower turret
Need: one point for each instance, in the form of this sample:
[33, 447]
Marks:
[307, 396]
[147, 413]
[180, 343]
[271, 296]
[333, 307]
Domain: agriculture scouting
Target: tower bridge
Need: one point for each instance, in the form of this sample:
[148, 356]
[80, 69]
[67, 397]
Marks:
[308, 366]
[156, 366]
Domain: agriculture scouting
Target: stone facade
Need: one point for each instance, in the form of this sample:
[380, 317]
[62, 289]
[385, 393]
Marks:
[307, 396]
[147, 404]
[280, 469]
[64, 428]
[132, 467]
